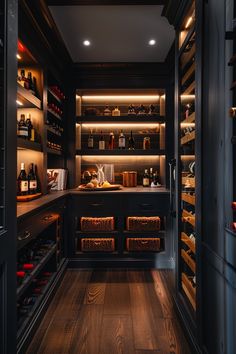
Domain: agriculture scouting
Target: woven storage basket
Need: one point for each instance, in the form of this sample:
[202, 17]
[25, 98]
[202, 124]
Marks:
[97, 244]
[97, 224]
[143, 244]
[143, 223]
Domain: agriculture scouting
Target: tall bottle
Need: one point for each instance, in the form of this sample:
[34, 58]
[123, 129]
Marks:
[151, 176]
[146, 180]
[22, 129]
[38, 190]
[101, 143]
[121, 143]
[90, 141]
[31, 131]
[32, 182]
[22, 181]
[116, 111]
[131, 143]
[111, 143]
[31, 84]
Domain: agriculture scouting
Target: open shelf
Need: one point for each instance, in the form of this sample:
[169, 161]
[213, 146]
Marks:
[54, 114]
[121, 119]
[188, 242]
[189, 290]
[36, 271]
[27, 144]
[187, 138]
[188, 198]
[188, 260]
[121, 152]
[27, 98]
[188, 73]
[54, 95]
[54, 152]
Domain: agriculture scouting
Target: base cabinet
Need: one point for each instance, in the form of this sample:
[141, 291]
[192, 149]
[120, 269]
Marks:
[40, 264]
[120, 228]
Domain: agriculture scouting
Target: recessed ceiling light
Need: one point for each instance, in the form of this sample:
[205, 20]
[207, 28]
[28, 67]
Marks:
[86, 43]
[152, 42]
[18, 56]
[19, 103]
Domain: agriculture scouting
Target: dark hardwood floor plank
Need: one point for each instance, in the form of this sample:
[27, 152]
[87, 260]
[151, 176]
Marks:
[96, 288]
[117, 335]
[58, 339]
[162, 294]
[87, 334]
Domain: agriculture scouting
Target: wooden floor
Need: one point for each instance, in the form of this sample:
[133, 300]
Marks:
[109, 312]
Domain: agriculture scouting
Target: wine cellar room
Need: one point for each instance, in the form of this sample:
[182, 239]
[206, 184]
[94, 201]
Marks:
[117, 177]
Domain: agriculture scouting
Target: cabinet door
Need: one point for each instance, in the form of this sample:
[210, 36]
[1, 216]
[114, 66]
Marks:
[8, 45]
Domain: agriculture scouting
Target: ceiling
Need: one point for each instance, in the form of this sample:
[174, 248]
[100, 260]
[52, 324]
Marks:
[117, 33]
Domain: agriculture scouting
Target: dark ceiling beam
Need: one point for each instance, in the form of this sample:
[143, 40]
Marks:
[104, 2]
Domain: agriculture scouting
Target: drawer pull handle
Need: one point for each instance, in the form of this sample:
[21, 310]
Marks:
[25, 235]
[146, 205]
[144, 242]
[96, 204]
[47, 217]
[97, 242]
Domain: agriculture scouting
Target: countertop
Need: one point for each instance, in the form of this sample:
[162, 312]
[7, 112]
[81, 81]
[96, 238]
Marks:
[24, 208]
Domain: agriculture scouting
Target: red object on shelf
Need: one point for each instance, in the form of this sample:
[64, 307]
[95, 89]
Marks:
[47, 274]
[37, 291]
[233, 226]
[28, 266]
[234, 206]
[20, 274]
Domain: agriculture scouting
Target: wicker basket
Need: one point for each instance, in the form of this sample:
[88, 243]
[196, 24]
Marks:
[97, 224]
[143, 244]
[143, 223]
[97, 244]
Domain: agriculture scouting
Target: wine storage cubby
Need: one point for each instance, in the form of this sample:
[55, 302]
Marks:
[132, 139]
[187, 159]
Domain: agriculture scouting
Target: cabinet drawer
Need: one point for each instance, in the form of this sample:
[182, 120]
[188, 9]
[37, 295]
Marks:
[97, 224]
[158, 204]
[96, 205]
[143, 244]
[143, 223]
[97, 244]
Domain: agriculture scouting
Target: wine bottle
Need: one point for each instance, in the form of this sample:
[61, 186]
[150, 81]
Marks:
[29, 126]
[32, 180]
[151, 177]
[146, 180]
[234, 206]
[101, 144]
[116, 111]
[131, 143]
[121, 140]
[31, 84]
[90, 141]
[22, 130]
[111, 143]
[107, 111]
[22, 181]
[38, 190]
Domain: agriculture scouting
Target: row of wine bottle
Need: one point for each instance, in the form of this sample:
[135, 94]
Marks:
[28, 184]
[121, 142]
[29, 82]
[26, 130]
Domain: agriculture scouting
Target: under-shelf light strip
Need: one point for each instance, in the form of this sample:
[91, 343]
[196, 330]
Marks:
[121, 125]
[120, 98]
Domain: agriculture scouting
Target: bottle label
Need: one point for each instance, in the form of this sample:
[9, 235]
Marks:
[23, 131]
[121, 142]
[101, 145]
[33, 184]
[145, 181]
[24, 186]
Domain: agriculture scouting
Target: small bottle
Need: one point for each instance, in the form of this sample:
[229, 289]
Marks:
[31, 132]
[116, 111]
[22, 181]
[101, 144]
[90, 141]
[146, 143]
[22, 130]
[146, 181]
[131, 143]
[107, 111]
[131, 110]
[32, 180]
[111, 143]
[121, 143]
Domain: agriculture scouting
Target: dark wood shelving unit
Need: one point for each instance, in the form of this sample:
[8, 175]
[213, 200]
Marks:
[54, 152]
[54, 114]
[54, 95]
